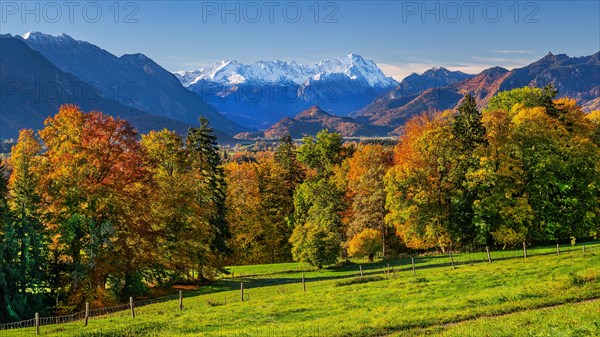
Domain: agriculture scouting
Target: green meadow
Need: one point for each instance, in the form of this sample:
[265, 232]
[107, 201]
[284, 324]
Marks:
[544, 294]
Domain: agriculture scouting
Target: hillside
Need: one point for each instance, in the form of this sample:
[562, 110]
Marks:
[313, 120]
[541, 294]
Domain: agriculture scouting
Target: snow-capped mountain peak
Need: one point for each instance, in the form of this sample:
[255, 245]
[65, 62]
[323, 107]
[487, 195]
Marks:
[228, 72]
[41, 37]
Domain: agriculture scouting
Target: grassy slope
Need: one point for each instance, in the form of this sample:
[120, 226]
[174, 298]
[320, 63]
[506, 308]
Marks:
[578, 319]
[429, 302]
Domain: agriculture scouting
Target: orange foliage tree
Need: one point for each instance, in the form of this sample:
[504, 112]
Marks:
[366, 191]
[92, 184]
[418, 185]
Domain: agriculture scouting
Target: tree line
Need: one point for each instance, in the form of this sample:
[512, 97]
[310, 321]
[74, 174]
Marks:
[92, 211]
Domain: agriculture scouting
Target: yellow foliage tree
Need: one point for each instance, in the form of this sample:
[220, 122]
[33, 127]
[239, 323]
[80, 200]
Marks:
[366, 243]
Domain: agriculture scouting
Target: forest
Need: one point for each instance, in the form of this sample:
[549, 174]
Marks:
[90, 210]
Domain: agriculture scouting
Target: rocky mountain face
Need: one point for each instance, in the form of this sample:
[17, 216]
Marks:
[33, 89]
[260, 94]
[133, 80]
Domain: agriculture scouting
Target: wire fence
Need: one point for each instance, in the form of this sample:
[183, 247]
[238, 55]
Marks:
[392, 267]
[80, 315]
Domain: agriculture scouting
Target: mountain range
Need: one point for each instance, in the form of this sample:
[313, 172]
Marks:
[349, 94]
[133, 80]
[262, 93]
[576, 77]
[33, 88]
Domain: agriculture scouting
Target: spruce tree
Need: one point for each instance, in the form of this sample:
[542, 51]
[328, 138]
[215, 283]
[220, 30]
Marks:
[26, 239]
[469, 133]
[467, 127]
[203, 147]
[8, 252]
[285, 157]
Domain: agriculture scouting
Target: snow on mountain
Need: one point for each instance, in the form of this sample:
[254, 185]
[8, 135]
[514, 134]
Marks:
[228, 72]
[131, 79]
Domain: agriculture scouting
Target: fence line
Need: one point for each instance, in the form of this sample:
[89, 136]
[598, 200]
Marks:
[80, 315]
[410, 263]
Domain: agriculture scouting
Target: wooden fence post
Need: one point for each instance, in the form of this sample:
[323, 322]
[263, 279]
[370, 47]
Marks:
[180, 300]
[557, 249]
[242, 291]
[87, 313]
[452, 259]
[413, 265]
[524, 250]
[584, 249]
[487, 249]
[303, 284]
[37, 323]
[131, 306]
[361, 271]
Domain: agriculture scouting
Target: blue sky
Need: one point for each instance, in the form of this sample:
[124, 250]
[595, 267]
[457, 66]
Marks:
[401, 36]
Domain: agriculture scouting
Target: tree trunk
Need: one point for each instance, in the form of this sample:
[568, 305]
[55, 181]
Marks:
[383, 241]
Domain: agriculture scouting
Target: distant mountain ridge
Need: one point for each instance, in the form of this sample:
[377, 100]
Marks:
[133, 80]
[576, 77]
[33, 89]
[311, 121]
[349, 94]
[409, 89]
[261, 93]
[432, 78]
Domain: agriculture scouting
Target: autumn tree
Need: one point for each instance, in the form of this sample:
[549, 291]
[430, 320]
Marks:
[560, 163]
[366, 243]
[594, 119]
[315, 244]
[276, 207]
[419, 186]
[529, 97]
[258, 211]
[318, 202]
[92, 187]
[537, 176]
[366, 192]
[243, 200]
[180, 223]
[501, 210]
